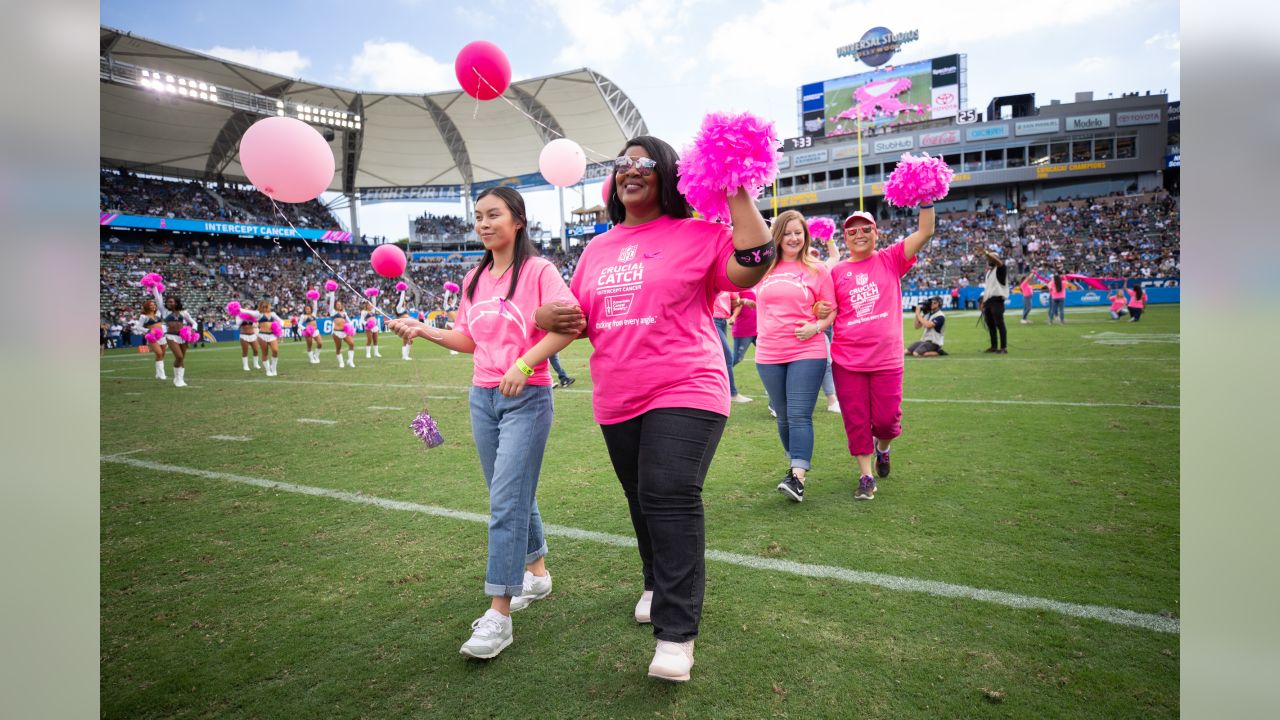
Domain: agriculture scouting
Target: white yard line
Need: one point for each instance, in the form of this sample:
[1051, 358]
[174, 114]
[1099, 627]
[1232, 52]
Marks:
[1117, 616]
[317, 421]
[230, 438]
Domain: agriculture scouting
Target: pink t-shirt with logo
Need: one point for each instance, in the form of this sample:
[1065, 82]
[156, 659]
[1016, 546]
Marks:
[786, 297]
[1117, 301]
[745, 325]
[647, 291]
[868, 327]
[1135, 301]
[1058, 294]
[503, 327]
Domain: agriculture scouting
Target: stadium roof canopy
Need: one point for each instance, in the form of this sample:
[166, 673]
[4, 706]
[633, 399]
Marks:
[380, 139]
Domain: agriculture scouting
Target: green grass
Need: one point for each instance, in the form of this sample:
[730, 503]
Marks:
[226, 600]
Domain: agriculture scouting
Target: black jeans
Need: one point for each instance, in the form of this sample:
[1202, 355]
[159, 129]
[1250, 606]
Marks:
[993, 313]
[661, 459]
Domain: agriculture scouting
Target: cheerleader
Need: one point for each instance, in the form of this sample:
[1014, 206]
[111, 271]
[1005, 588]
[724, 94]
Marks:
[342, 330]
[248, 341]
[143, 326]
[311, 332]
[268, 339]
[369, 318]
[178, 323]
[402, 313]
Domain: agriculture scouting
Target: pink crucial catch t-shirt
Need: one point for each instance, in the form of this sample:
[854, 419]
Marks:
[647, 291]
[785, 298]
[502, 326]
[868, 327]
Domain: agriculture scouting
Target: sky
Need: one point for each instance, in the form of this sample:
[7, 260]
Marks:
[676, 59]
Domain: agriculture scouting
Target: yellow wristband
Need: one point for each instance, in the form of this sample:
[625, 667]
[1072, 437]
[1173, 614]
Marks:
[523, 367]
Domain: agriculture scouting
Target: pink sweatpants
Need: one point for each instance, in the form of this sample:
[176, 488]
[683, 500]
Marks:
[871, 405]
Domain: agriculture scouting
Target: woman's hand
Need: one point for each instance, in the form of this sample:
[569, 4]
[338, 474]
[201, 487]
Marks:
[406, 328]
[513, 382]
[561, 317]
[806, 330]
[823, 309]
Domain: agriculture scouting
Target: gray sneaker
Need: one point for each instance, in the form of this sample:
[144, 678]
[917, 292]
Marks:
[535, 588]
[866, 488]
[491, 634]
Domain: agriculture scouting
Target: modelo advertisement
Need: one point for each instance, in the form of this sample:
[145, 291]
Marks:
[881, 99]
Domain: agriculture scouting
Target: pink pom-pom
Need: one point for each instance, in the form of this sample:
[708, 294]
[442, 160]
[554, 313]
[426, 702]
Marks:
[452, 287]
[188, 335]
[918, 180]
[371, 323]
[276, 329]
[822, 228]
[730, 152]
[159, 287]
[401, 287]
[313, 294]
[330, 285]
[155, 334]
[371, 292]
[233, 308]
[150, 279]
[246, 317]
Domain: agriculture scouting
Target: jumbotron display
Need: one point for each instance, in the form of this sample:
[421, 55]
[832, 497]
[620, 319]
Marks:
[895, 95]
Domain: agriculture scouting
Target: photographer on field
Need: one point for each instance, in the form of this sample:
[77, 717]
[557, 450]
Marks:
[930, 317]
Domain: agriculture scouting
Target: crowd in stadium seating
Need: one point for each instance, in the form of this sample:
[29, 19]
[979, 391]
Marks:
[1129, 237]
[440, 226]
[129, 194]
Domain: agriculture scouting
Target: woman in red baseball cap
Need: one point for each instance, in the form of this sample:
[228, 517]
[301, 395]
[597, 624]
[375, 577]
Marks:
[866, 353]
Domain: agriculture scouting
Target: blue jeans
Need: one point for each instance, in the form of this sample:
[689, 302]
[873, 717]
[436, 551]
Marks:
[793, 390]
[555, 365]
[722, 326]
[1055, 308]
[740, 345]
[828, 384]
[511, 435]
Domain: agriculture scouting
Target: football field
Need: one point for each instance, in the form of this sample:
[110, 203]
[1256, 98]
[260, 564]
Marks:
[285, 547]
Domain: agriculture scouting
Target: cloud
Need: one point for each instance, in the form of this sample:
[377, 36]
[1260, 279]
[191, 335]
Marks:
[1166, 40]
[474, 16]
[1092, 64]
[599, 37]
[388, 66]
[289, 63]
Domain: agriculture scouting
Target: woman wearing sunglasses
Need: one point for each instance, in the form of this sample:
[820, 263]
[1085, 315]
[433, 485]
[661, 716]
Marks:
[866, 352]
[646, 289]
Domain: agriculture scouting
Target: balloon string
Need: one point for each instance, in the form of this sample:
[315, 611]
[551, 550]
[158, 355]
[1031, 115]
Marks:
[518, 109]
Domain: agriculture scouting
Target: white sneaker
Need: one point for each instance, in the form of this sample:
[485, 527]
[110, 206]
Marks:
[672, 661]
[740, 398]
[773, 412]
[1024, 322]
[642, 607]
[491, 634]
[453, 352]
[834, 407]
[536, 587]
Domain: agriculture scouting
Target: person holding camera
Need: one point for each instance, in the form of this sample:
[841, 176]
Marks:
[930, 317]
[994, 291]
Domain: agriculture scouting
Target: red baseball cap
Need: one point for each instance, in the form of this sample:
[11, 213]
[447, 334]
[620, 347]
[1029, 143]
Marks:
[859, 215]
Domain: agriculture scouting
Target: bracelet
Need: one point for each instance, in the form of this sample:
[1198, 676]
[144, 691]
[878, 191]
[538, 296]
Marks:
[523, 367]
[756, 256]
[925, 207]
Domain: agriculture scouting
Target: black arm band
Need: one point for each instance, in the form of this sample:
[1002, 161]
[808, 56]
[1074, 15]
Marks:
[756, 256]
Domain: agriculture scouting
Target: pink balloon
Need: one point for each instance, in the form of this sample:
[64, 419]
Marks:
[483, 70]
[562, 162]
[286, 159]
[389, 261]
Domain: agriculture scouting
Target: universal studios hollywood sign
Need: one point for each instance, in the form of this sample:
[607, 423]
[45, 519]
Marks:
[877, 45]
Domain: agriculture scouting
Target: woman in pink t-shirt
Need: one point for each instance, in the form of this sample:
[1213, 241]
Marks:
[791, 351]
[1058, 287]
[1028, 298]
[1118, 301]
[646, 289]
[511, 406]
[1137, 302]
[743, 322]
[866, 353]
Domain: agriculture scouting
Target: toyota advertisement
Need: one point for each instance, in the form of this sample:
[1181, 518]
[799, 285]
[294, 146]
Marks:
[891, 96]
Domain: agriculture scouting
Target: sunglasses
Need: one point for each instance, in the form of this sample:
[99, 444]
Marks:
[642, 165]
[860, 230]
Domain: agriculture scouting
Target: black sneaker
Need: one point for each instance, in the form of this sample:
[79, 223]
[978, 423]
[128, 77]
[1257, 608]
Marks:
[882, 463]
[792, 487]
[566, 382]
